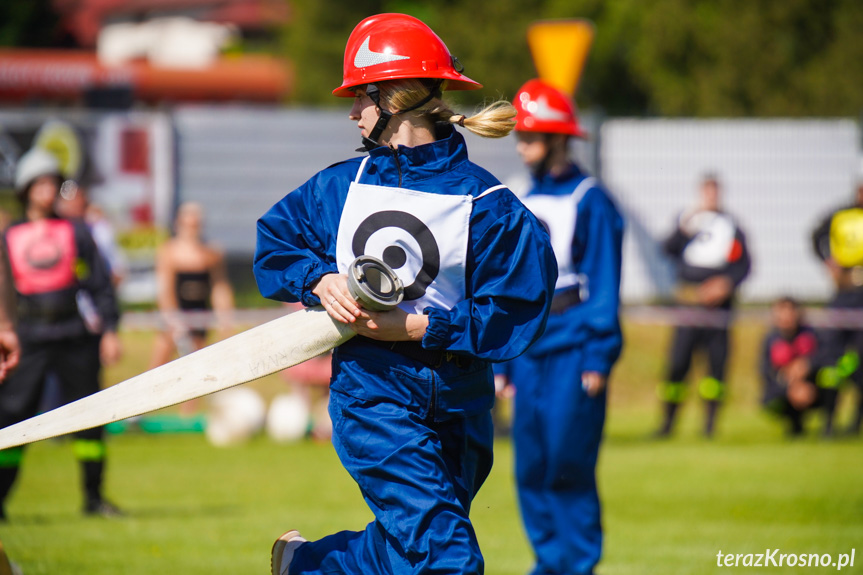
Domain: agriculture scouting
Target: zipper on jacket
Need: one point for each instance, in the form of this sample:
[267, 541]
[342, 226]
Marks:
[395, 152]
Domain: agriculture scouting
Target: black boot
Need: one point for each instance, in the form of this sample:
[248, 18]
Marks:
[94, 503]
[829, 401]
[795, 423]
[101, 508]
[710, 418]
[7, 479]
[669, 416]
[854, 427]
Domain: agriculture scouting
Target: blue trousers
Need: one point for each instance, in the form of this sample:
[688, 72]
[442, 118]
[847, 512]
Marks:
[557, 430]
[419, 477]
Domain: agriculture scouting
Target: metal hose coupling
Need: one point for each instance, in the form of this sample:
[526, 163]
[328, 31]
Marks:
[374, 284]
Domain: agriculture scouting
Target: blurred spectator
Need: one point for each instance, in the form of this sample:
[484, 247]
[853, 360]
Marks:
[191, 277]
[10, 348]
[786, 366]
[5, 220]
[560, 382]
[838, 241]
[712, 259]
[74, 204]
[67, 318]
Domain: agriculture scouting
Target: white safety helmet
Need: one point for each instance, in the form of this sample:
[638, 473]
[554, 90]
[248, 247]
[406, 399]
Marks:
[35, 163]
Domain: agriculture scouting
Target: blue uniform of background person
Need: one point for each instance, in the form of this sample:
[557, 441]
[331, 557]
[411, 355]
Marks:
[557, 426]
[417, 438]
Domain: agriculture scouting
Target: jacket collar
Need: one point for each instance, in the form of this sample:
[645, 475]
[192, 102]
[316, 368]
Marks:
[571, 172]
[419, 162]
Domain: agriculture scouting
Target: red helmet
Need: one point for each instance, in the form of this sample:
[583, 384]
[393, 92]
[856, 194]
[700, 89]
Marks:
[396, 46]
[543, 108]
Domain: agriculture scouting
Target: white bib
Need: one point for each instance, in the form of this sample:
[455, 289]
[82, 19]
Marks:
[422, 236]
[558, 214]
[711, 245]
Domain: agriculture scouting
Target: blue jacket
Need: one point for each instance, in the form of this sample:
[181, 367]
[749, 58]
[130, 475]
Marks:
[593, 325]
[510, 272]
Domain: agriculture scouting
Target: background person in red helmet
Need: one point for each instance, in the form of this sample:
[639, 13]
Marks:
[561, 380]
[66, 319]
[411, 395]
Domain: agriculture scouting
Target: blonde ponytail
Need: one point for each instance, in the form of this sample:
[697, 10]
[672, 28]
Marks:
[495, 120]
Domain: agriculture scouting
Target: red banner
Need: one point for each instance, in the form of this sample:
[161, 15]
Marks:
[67, 75]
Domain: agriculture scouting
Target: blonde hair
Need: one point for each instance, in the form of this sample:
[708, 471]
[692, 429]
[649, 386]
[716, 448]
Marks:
[494, 120]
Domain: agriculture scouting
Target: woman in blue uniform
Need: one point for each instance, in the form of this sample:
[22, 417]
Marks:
[411, 396]
[560, 382]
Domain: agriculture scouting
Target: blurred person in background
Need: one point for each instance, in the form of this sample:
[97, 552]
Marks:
[838, 242]
[786, 367]
[712, 259]
[73, 203]
[10, 352]
[5, 219]
[191, 277]
[560, 382]
[10, 347]
[67, 319]
[411, 395]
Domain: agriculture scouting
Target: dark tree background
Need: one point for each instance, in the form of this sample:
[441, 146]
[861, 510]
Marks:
[650, 57]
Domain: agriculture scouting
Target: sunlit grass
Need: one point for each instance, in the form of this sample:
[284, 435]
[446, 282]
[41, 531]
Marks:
[670, 506]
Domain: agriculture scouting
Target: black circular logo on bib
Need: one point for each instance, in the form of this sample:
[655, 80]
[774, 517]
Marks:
[394, 255]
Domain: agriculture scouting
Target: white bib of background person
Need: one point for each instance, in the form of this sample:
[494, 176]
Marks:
[422, 236]
[712, 241]
[558, 215]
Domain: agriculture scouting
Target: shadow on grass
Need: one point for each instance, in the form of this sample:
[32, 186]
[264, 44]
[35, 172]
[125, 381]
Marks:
[129, 514]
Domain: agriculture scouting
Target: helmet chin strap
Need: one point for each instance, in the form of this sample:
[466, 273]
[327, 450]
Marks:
[372, 91]
[371, 142]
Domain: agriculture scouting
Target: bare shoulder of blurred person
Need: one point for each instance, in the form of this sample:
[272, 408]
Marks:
[221, 293]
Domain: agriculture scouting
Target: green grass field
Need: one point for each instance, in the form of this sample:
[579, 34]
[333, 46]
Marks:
[669, 506]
